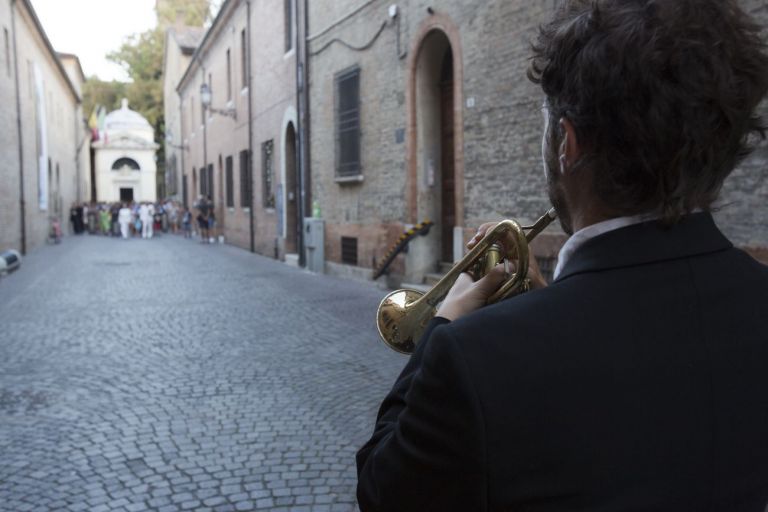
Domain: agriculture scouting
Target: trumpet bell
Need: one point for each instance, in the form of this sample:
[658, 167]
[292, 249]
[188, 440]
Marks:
[400, 324]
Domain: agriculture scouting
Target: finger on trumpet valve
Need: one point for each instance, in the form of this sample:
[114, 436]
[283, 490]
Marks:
[493, 257]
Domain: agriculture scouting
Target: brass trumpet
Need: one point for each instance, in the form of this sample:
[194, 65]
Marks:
[403, 315]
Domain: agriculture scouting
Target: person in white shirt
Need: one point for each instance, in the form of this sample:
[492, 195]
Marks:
[146, 215]
[124, 219]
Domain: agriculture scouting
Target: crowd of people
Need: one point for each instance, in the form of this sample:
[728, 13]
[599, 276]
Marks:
[145, 219]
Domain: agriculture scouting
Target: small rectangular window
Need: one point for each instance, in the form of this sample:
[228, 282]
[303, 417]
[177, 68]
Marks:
[7, 52]
[229, 77]
[288, 9]
[245, 179]
[349, 250]
[243, 57]
[230, 182]
[268, 174]
[348, 123]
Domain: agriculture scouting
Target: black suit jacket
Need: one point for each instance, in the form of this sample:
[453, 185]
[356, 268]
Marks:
[637, 381]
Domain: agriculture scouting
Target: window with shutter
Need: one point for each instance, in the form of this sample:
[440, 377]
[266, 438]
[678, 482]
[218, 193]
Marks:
[348, 123]
[268, 174]
[230, 182]
[245, 180]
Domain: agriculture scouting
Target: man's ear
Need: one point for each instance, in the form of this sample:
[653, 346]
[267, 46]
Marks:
[569, 150]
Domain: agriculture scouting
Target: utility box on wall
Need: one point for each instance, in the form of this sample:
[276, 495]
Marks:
[314, 240]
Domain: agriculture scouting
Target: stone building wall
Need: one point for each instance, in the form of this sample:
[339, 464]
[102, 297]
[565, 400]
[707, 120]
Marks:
[500, 109]
[219, 136]
[743, 205]
[10, 223]
[61, 101]
[273, 107]
[175, 62]
[501, 124]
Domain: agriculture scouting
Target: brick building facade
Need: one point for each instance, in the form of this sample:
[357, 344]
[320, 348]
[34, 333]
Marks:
[180, 44]
[448, 129]
[242, 152]
[415, 111]
[38, 131]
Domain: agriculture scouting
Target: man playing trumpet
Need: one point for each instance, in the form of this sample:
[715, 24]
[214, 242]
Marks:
[637, 380]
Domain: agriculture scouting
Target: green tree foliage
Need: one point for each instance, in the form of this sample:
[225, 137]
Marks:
[193, 13]
[141, 55]
[98, 92]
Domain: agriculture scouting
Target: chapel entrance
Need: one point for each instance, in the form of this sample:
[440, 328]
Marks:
[126, 195]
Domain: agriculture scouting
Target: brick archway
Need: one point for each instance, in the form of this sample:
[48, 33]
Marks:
[442, 23]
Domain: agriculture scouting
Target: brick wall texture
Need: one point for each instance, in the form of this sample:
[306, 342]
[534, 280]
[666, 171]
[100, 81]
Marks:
[273, 106]
[61, 105]
[501, 155]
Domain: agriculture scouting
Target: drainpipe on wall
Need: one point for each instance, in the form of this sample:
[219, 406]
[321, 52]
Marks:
[302, 99]
[299, 140]
[181, 135]
[22, 205]
[77, 159]
[250, 126]
[204, 179]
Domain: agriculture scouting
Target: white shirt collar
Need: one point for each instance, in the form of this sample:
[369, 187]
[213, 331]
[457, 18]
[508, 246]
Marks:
[581, 236]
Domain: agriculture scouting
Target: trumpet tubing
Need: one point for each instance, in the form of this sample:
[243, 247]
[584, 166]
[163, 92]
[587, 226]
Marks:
[403, 314]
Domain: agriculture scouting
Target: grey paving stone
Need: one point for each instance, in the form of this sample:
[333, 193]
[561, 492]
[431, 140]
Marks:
[184, 372]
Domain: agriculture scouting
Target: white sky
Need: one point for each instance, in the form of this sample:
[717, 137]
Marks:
[92, 28]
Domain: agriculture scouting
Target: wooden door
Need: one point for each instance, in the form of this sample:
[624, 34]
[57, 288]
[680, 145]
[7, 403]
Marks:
[448, 194]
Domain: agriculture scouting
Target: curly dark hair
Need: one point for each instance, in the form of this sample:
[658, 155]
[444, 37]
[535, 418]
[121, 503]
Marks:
[662, 95]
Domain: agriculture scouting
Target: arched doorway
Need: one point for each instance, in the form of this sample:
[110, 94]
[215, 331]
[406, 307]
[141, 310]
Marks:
[292, 226]
[434, 161]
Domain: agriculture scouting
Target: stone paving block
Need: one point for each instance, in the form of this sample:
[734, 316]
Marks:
[184, 400]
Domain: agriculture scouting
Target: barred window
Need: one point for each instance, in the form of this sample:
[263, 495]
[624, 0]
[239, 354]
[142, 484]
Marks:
[268, 174]
[230, 182]
[245, 179]
[349, 250]
[7, 52]
[229, 76]
[288, 9]
[243, 57]
[348, 123]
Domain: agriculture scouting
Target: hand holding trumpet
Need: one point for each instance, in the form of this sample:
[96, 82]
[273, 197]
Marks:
[403, 314]
[468, 294]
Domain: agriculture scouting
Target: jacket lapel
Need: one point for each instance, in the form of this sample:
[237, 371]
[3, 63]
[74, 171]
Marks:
[647, 242]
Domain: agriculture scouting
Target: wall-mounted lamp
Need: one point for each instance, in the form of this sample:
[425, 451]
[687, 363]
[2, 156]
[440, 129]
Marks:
[205, 99]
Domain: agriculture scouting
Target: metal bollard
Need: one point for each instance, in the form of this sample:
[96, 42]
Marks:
[9, 261]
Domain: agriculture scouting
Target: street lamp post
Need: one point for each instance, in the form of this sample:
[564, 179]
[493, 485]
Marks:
[206, 96]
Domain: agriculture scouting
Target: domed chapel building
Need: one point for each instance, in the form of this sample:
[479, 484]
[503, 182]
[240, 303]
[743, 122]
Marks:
[124, 158]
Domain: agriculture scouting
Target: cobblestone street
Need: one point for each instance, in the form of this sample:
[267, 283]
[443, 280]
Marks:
[171, 375]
